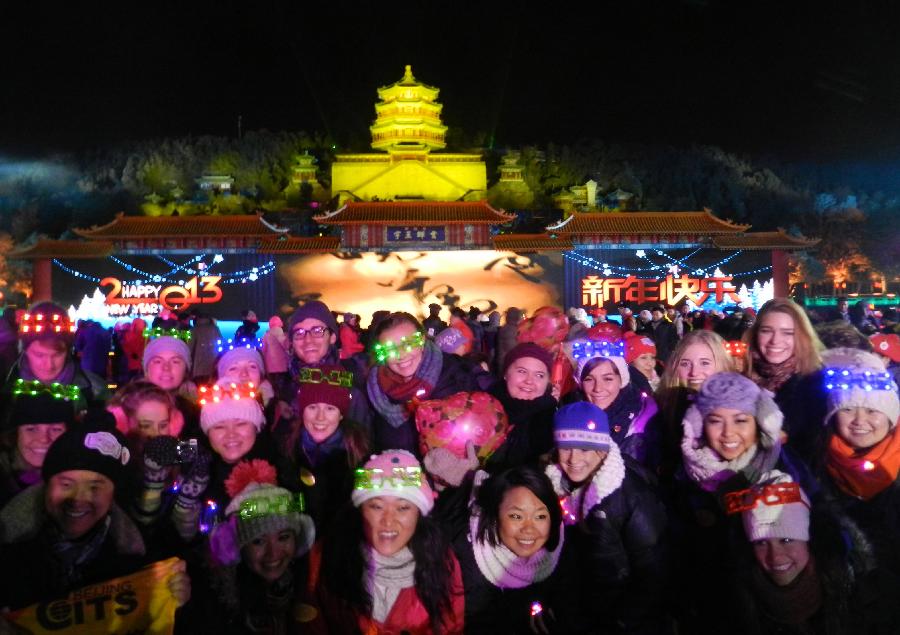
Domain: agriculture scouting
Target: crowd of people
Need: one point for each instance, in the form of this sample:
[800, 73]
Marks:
[669, 471]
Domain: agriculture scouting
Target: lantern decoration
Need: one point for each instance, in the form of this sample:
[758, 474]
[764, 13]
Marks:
[219, 392]
[243, 342]
[56, 390]
[736, 348]
[450, 423]
[384, 351]
[863, 379]
[43, 323]
[181, 334]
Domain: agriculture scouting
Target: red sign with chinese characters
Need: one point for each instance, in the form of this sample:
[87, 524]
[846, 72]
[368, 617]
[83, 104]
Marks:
[596, 291]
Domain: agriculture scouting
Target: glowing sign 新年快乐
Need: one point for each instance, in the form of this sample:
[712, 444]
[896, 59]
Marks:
[596, 291]
[202, 290]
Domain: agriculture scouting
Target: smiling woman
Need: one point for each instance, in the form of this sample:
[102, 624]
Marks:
[512, 556]
[386, 559]
[410, 367]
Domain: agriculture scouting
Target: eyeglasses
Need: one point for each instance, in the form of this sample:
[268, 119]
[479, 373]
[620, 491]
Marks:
[316, 332]
[775, 494]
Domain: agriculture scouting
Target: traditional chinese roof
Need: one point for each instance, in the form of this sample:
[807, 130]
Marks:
[416, 213]
[124, 227]
[637, 223]
[64, 249]
[531, 242]
[299, 245]
[764, 240]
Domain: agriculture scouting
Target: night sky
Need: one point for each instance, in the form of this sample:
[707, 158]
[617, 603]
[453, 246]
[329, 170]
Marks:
[790, 79]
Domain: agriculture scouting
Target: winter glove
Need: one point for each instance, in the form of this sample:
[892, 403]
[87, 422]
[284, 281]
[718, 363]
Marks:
[449, 468]
[159, 453]
[157, 459]
[186, 514]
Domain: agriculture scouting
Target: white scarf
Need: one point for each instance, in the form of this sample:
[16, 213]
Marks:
[705, 467]
[386, 577]
[504, 569]
[605, 481]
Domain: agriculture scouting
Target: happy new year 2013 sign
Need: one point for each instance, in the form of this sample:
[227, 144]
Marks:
[597, 290]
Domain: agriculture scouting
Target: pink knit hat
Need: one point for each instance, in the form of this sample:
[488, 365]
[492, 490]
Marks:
[229, 400]
[393, 473]
[774, 508]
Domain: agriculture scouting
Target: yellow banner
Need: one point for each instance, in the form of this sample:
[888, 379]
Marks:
[136, 604]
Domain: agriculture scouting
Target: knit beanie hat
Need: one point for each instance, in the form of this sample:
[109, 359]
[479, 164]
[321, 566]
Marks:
[856, 378]
[228, 400]
[166, 344]
[728, 390]
[734, 391]
[774, 508]
[316, 310]
[583, 426]
[887, 345]
[95, 445]
[258, 507]
[637, 345]
[43, 407]
[393, 473]
[328, 383]
[582, 352]
[44, 321]
[239, 354]
[527, 349]
[450, 339]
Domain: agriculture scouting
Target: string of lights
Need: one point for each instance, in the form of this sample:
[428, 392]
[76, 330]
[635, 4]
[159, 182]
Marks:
[234, 277]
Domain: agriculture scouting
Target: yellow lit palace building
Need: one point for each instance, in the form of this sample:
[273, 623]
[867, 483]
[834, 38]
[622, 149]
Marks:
[408, 131]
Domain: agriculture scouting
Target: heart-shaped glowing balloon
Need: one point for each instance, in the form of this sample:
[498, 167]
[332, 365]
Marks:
[548, 327]
[450, 423]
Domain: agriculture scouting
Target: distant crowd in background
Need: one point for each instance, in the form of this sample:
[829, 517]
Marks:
[659, 471]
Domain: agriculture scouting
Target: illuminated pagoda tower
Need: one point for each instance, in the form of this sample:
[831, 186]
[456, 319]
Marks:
[511, 191]
[304, 173]
[407, 132]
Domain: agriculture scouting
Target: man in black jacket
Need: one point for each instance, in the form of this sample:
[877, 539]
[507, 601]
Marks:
[662, 332]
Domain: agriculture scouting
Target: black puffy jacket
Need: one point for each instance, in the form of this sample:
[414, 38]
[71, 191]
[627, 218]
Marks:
[616, 525]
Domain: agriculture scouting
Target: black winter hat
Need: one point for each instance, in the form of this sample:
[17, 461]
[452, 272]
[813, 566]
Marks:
[41, 408]
[316, 310]
[94, 445]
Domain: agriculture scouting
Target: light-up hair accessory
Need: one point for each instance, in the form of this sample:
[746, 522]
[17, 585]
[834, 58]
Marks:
[589, 349]
[736, 348]
[153, 333]
[862, 379]
[384, 351]
[41, 323]
[774, 494]
[376, 478]
[33, 388]
[269, 505]
[243, 342]
[312, 375]
[220, 392]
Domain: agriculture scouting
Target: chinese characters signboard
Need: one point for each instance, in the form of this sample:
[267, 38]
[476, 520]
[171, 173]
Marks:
[415, 234]
[596, 291]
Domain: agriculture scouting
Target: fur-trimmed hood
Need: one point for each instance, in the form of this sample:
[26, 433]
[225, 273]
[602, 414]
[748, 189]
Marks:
[25, 515]
[606, 480]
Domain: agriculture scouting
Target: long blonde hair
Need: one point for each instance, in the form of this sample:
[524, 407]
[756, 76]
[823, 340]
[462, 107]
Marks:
[807, 346]
[716, 345]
